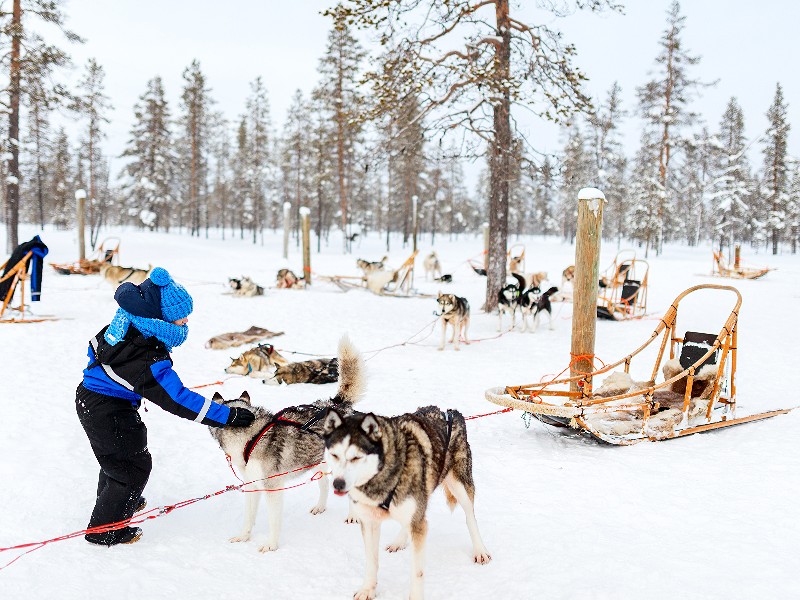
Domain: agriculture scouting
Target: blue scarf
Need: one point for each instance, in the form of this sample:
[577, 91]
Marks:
[169, 334]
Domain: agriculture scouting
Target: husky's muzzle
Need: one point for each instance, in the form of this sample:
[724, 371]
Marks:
[340, 487]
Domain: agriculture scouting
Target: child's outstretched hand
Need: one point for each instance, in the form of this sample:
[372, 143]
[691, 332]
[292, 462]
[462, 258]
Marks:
[240, 417]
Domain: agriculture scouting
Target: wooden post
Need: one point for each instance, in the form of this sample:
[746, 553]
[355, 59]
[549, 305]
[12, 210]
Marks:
[287, 206]
[737, 256]
[414, 202]
[305, 218]
[80, 197]
[587, 271]
[486, 247]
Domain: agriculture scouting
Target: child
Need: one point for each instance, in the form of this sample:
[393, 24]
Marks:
[129, 360]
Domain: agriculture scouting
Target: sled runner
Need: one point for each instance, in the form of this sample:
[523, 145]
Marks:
[698, 392]
[721, 268]
[107, 252]
[625, 293]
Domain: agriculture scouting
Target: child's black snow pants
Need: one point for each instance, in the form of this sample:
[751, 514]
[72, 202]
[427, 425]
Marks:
[119, 441]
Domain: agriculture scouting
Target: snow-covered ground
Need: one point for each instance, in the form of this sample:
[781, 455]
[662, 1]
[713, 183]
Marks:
[709, 516]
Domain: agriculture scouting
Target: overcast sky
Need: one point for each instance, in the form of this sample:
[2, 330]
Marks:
[749, 46]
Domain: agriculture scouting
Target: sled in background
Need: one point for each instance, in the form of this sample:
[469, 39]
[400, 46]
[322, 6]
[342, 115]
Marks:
[14, 275]
[107, 252]
[698, 392]
[623, 293]
[721, 268]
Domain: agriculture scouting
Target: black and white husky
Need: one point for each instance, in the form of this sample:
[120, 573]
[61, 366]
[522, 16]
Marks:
[282, 442]
[508, 301]
[455, 311]
[532, 303]
[390, 466]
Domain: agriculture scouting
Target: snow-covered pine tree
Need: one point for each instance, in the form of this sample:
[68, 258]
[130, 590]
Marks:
[151, 171]
[259, 172]
[732, 184]
[544, 193]
[242, 207]
[37, 147]
[220, 153]
[577, 171]
[296, 165]
[693, 182]
[774, 178]
[93, 105]
[195, 107]
[793, 209]
[645, 188]
[610, 162]
[342, 103]
[462, 215]
[665, 105]
[59, 184]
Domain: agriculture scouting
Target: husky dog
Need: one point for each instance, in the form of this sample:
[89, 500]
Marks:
[283, 442]
[567, 275]
[446, 278]
[432, 266]
[390, 466]
[508, 301]
[515, 263]
[455, 311]
[287, 279]
[532, 279]
[533, 302]
[116, 276]
[370, 267]
[245, 287]
[237, 338]
[260, 361]
[319, 371]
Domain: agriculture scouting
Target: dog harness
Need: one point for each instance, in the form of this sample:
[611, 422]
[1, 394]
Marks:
[387, 502]
[278, 419]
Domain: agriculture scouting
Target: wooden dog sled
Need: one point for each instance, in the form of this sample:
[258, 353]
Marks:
[698, 392]
[625, 293]
[721, 268]
[107, 252]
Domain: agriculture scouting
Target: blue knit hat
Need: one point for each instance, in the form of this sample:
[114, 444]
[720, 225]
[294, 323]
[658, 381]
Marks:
[176, 302]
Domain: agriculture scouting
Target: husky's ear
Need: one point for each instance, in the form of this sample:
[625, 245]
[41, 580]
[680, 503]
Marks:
[331, 421]
[370, 426]
[245, 397]
[217, 397]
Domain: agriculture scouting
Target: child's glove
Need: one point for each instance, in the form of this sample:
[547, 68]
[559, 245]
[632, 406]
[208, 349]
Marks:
[240, 417]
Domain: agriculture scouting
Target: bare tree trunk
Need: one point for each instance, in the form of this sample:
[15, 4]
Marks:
[12, 181]
[499, 164]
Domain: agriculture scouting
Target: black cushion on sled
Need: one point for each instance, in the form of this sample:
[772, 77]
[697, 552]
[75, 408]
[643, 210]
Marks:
[629, 290]
[695, 345]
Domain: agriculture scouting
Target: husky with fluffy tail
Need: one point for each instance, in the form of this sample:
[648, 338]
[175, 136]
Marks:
[285, 441]
[390, 466]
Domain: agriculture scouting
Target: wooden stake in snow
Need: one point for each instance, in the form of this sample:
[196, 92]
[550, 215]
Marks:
[287, 206]
[486, 247]
[587, 270]
[80, 198]
[305, 220]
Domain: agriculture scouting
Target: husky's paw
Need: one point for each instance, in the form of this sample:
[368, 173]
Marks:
[240, 538]
[268, 547]
[351, 520]
[396, 547]
[481, 557]
[318, 509]
[364, 594]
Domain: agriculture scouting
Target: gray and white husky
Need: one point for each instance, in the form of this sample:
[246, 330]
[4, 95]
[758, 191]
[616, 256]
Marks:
[455, 311]
[285, 441]
[390, 466]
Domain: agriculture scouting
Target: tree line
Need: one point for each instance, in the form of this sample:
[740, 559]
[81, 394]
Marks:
[375, 136]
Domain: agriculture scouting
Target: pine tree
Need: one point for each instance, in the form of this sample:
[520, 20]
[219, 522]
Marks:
[577, 171]
[93, 105]
[60, 182]
[775, 180]
[151, 170]
[693, 182]
[258, 169]
[220, 150]
[793, 210]
[195, 107]
[339, 97]
[544, 193]
[296, 158]
[664, 104]
[731, 187]
[645, 193]
[29, 59]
